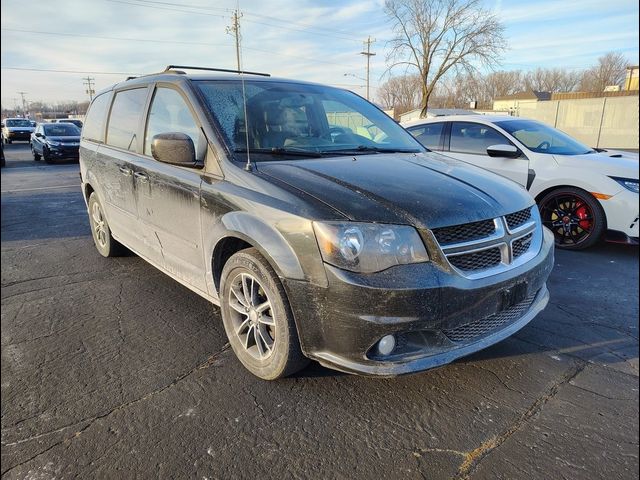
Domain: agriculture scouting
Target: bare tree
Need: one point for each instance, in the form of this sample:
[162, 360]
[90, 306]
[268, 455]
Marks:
[610, 70]
[401, 93]
[438, 36]
[552, 80]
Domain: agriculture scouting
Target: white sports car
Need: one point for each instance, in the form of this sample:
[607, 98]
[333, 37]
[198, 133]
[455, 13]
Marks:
[583, 194]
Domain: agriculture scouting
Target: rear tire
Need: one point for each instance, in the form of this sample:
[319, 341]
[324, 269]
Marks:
[257, 317]
[575, 217]
[106, 245]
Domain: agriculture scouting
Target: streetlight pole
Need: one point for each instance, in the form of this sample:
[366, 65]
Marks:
[24, 103]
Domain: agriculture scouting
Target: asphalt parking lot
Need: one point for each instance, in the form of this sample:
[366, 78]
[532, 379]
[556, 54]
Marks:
[110, 369]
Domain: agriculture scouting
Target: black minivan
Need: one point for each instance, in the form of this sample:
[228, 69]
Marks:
[320, 226]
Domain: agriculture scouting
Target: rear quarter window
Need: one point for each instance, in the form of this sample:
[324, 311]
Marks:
[428, 134]
[122, 130]
[96, 118]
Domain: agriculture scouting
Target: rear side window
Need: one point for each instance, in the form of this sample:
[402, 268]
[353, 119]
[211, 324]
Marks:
[125, 118]
[96, 117]
[467, 137]
[428, 135]
[169, 114]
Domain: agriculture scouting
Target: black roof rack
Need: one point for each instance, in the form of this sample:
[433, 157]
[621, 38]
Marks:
[226, 70]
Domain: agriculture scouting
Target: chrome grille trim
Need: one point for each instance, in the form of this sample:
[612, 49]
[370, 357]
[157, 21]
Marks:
[505, 240]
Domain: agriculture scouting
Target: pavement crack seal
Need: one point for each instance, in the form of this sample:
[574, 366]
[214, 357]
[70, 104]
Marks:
[89, 422]
[497, 377]
[473, 458]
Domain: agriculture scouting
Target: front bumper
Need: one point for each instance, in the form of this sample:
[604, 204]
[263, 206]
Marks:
[18, 135]
[64, 151]
[621, 211]
[340, 325]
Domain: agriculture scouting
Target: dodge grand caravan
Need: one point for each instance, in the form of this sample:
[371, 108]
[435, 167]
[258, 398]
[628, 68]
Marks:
[322, 229]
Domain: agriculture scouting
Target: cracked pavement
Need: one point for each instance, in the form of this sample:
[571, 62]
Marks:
[110, 369]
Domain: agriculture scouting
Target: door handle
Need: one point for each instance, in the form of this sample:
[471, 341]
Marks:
[141, 176]
[125, 171]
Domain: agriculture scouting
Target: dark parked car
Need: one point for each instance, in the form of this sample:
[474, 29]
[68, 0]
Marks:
[16, 129]
[362, 251]
[55, 141]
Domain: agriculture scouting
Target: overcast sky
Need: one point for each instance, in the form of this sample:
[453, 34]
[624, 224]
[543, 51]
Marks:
[303, 39]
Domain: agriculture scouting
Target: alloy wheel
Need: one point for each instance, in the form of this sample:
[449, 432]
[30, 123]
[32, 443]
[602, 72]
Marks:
[99, 225]
[569, 217]
[252, 316]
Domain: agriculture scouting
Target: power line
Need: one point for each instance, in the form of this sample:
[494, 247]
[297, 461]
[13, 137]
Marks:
[166, 8]
[177, 42]
[68, 71]
[101, 37]
[307, 30]
[268, 17]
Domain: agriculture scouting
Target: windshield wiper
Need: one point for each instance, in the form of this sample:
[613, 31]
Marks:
[281, 151]
[370, 149]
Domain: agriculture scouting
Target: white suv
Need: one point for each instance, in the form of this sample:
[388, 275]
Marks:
[582, 193]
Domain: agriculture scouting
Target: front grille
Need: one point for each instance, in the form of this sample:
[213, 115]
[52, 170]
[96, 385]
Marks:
[477, 260]
[521, 245]
[514, 220]
[479, 328]
[464, 233]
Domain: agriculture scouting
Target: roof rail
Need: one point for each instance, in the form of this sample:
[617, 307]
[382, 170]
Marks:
[172, 67]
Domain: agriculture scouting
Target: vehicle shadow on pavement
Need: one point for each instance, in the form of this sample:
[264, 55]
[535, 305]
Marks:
[23, 217]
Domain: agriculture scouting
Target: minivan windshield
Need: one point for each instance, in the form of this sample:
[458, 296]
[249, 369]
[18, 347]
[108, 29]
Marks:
[541, 138]
[300, 120]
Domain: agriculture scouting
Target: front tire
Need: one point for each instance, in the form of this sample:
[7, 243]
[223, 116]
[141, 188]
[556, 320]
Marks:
[575, 217]
[36, 156]
[106, 245]
[46, 155]
[257, 317]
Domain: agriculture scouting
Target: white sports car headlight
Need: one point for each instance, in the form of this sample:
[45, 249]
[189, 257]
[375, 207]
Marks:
[369, 247]
[628, 183]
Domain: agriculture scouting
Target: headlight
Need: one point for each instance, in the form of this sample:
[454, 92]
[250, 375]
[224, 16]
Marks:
[369, 247]
[628, 183]
[53, 143]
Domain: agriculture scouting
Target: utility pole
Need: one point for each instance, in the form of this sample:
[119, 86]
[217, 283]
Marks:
[89, 84]
[24, 103]
[367, 53]
[234, 30]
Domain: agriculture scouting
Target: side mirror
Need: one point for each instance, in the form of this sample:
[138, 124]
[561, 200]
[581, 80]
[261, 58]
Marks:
[174, 148]
[39, 134]
[505, 151]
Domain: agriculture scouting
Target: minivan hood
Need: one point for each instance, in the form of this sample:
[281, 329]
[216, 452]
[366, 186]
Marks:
[624, 166]
[426, 190]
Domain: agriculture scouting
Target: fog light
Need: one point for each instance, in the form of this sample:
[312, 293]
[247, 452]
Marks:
[386, 345]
